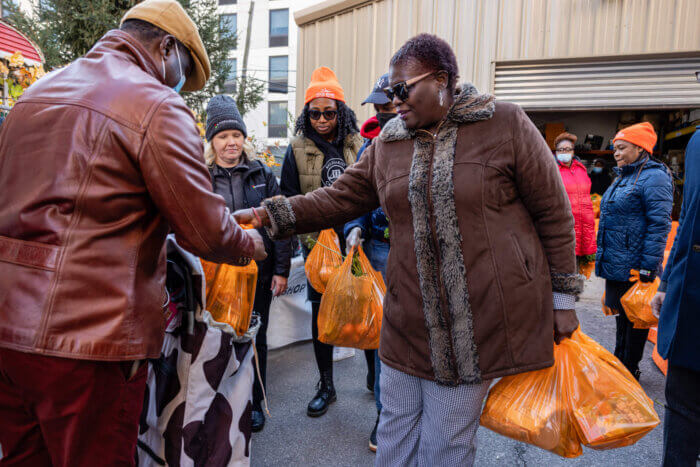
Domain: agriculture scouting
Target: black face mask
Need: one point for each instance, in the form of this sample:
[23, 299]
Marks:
[384, 117]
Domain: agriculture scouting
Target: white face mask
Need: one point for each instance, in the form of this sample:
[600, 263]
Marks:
[181, 82]
[564, 157]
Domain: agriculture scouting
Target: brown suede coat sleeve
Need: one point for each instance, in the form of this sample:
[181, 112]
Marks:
[542, 192]
[351, 196]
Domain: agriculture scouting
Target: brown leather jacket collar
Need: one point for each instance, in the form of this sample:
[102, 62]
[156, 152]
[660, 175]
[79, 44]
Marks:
[122, 43]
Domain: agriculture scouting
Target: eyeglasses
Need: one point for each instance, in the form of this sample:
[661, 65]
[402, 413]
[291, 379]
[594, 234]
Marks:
[401, 89]
[565, 150]
[327, 114]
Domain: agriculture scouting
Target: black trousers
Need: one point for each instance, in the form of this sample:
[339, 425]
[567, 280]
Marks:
[263, 298]
[629, 342]
[324, 352]
[682, 419]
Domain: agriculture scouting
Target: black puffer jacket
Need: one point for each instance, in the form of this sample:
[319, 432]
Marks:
[260, 183]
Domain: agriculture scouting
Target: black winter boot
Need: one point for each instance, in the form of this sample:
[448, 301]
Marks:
[324, 396]
[258, 419]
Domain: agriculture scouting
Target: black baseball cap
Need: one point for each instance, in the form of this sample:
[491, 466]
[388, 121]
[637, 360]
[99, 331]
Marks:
[377, 95]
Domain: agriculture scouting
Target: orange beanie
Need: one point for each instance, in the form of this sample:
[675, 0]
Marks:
[324, 83]
[640, 134]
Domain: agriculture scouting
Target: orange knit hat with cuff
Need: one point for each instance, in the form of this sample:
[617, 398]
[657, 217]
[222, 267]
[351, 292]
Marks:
[640, 134]
[324, 83]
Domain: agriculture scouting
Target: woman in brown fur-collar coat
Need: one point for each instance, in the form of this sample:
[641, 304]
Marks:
[481, 274]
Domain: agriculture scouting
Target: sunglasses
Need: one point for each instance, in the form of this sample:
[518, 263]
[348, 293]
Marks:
[327, 114]
[402, 89]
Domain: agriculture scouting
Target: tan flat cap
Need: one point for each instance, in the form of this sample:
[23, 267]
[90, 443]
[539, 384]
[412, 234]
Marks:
[172, 18]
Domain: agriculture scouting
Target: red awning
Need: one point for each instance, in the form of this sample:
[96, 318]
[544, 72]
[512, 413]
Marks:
[11, 41]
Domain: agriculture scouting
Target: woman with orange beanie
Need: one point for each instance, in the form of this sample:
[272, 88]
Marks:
[635, 218]
[326, 142]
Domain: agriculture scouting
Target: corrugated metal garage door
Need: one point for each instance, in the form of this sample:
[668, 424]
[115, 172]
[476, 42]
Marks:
[612, 83]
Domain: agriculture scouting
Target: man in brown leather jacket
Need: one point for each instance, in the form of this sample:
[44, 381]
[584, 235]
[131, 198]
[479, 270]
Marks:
[98, 162]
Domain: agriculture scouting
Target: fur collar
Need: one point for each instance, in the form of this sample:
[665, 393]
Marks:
[453, 353]
[469, 106]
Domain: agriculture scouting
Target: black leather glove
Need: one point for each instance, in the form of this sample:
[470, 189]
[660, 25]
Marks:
[647, 276]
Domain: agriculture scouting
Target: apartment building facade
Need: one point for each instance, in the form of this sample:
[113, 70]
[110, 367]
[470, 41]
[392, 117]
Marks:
[271, 61]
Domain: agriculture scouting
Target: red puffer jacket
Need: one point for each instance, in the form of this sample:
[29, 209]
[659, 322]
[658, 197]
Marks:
[578, 187]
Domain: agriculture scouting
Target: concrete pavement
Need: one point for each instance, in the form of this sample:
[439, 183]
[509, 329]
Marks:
[340, 437]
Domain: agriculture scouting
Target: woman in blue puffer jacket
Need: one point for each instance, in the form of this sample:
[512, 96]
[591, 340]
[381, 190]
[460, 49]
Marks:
[635, 219]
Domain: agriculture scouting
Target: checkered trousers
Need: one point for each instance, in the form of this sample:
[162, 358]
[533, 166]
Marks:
[423, 423]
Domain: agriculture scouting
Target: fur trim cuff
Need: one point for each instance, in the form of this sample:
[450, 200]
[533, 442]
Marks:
[571, 284]
[282, 218]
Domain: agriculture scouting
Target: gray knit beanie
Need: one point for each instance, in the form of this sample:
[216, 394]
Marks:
[223, 114]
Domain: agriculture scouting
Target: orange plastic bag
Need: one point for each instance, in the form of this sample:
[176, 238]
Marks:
[531, 407]
[351, 308]
[586, 269]
[659, 361]
[588, 397]
[637, 302]
[595, 201]
[231, 293]
[609, 406]
[653, 334]
[607, 311]
[671, 235]
[324, 260]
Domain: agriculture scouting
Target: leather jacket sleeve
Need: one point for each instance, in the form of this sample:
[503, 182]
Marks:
[172, 165]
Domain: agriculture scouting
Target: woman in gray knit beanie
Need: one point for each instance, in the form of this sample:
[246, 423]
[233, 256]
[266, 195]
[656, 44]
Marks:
[244, 182]
[226, 132]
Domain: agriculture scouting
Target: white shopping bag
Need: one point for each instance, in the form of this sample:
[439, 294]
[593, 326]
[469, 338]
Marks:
[290, 313]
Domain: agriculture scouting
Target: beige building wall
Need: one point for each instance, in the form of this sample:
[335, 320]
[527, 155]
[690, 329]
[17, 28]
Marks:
[356, 38]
